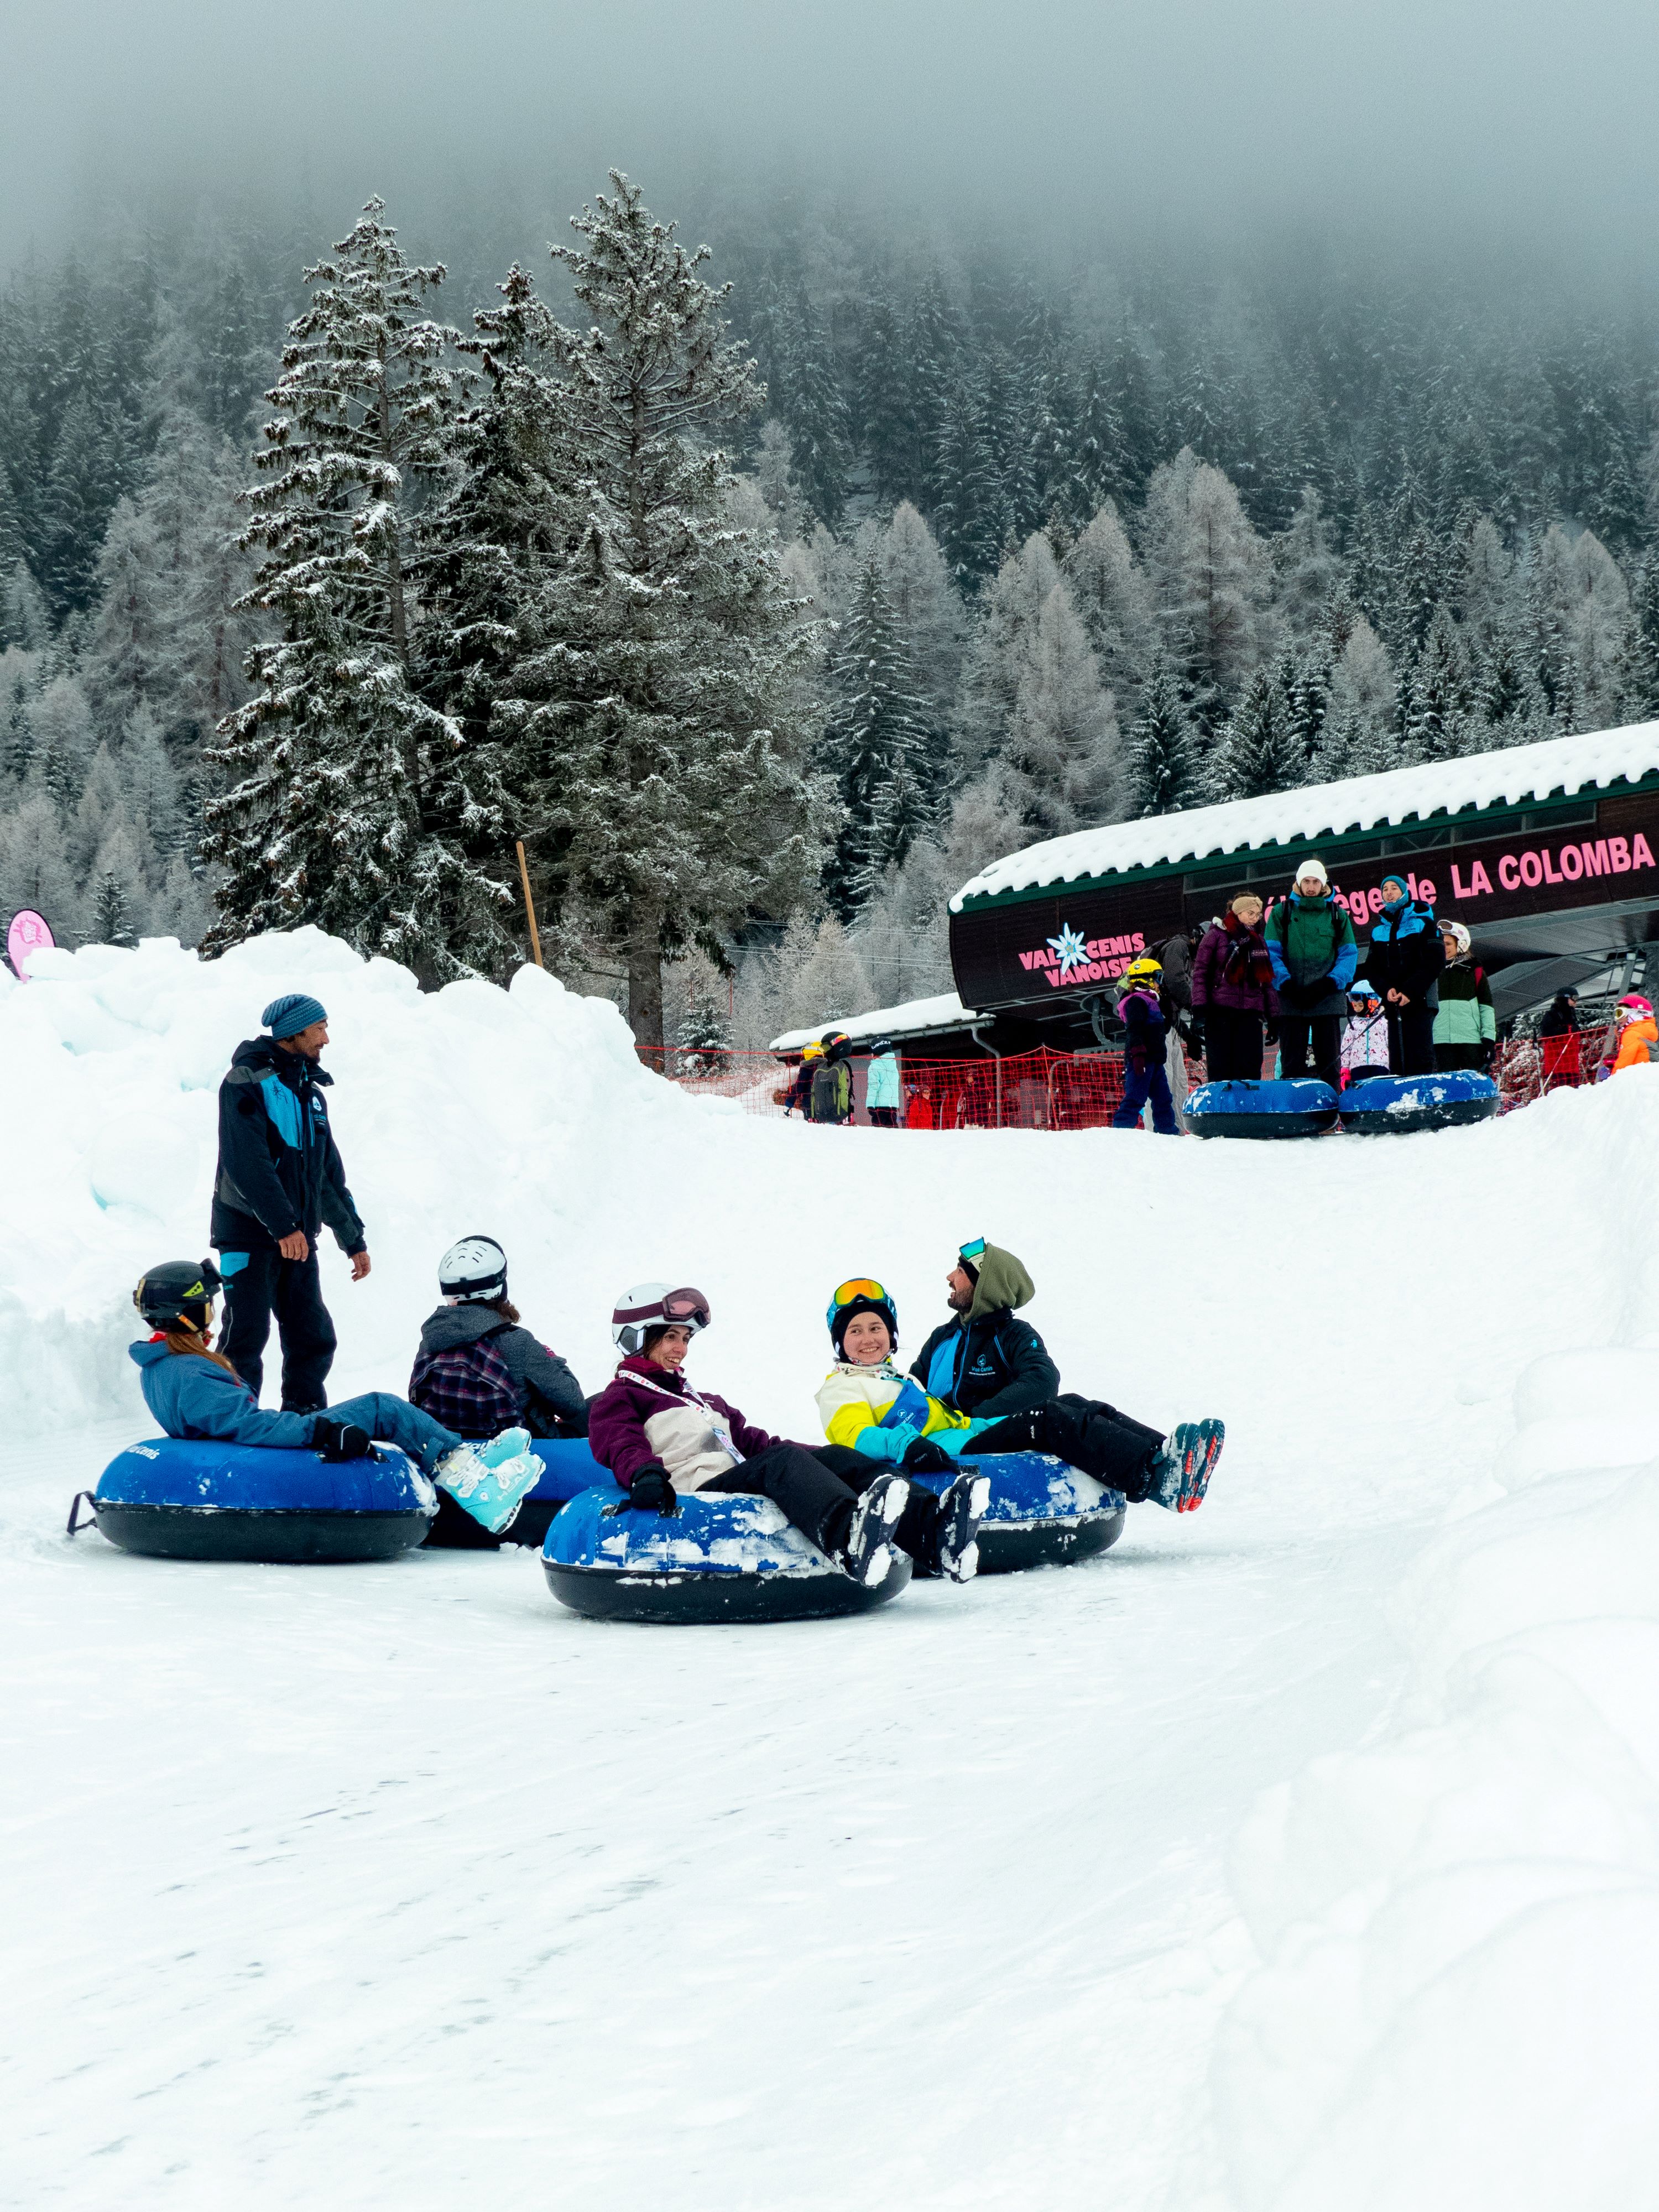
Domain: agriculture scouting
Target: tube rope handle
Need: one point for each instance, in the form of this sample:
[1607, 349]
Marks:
[91, 1521]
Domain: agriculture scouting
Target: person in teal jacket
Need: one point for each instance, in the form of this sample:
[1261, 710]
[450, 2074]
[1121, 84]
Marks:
[1311, 943]
[1465, 1021]
[881, 1085]
[195, 1393]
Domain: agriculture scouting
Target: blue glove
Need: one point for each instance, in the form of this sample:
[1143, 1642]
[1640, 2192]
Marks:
[877, 1443]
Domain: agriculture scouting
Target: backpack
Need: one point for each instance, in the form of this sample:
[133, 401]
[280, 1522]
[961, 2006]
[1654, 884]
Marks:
[467, 1387]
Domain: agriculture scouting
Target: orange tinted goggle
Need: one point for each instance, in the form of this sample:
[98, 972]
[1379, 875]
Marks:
[861, 1286]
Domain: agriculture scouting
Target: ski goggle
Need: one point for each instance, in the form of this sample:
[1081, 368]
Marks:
[976, 1251]
[685, 1307]
[861, 1286]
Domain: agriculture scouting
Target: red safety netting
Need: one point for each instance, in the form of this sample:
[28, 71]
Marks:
[1045, 1089]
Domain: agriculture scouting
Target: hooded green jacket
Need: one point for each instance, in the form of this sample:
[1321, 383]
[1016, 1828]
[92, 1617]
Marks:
[984, 1362]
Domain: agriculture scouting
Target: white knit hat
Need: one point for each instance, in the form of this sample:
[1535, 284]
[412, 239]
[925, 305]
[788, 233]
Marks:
[1312, 868]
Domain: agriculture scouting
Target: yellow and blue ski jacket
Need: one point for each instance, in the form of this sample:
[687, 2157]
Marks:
[881, 1413]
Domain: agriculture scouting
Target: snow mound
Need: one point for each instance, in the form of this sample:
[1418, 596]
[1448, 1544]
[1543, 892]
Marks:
[1458, 1925]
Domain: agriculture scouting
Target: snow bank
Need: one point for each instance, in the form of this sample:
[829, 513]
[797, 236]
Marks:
[1458, 2002]
[1329, 810]
[475, 1103]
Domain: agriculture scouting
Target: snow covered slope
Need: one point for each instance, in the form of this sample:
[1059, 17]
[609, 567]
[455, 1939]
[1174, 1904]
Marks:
[1305, 1853]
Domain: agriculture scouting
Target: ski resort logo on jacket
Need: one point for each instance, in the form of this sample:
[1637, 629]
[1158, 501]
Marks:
[1073, 958]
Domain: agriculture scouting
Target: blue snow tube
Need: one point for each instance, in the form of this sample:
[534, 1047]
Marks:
[1300, 1108]
[1042, 1513]
[723, 1556]
[1396, 1105]
[178, 1499]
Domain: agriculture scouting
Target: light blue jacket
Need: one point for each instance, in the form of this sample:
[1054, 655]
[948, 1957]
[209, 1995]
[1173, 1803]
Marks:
[194, 1397]
[881, 1083]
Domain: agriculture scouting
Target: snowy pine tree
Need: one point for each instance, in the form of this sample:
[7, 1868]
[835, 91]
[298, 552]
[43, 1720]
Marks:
[705, 1028]
[1063, 755]
[1259, 752]
[1164, 764]
[660, 710]
[877, 746]
[345, 810]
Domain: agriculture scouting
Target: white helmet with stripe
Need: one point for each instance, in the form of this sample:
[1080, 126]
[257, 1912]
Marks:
[650, 1306]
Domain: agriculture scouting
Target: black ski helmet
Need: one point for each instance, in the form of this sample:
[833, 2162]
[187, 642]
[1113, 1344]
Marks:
[473, 1272]
[179, 1290]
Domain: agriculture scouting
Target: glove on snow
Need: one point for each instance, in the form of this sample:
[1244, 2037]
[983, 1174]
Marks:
[650, 1492]
[924, 1456]
[337, 1440]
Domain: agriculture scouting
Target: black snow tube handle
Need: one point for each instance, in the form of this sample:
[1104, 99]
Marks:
[91, 1521]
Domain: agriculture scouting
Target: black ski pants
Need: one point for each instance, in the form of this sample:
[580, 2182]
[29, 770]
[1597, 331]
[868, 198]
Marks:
[1232, 1045]
[816, 1487]
[1113, 1447]
[1318, 1036]
[292, 1290]
[1411, 1040]
[883, 1117]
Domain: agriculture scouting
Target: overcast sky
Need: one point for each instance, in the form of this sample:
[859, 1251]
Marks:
[1457, 119]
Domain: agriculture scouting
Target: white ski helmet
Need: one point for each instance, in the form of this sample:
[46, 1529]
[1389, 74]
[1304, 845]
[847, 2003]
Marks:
[648, 1306]
[473, 1272]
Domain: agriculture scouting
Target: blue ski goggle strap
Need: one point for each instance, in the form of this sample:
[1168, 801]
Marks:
[974, 1251]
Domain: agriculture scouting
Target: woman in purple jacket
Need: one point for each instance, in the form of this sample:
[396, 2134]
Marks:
[1233, 991]
[657, 1436]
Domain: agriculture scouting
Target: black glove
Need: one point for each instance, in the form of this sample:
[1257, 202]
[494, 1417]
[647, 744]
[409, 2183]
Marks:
[336, 1440]
[1194, 1036]
[924, 1456]
[1308, 994]
[650, 1492]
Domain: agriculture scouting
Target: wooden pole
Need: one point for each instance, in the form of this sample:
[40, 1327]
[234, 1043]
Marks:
[529, 905]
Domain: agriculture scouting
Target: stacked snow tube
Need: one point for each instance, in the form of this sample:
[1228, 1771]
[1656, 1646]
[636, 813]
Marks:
[1300, 1108]
[568, 1468]
[724, 1557]
[178, 1500]
[1042, 1513]
[1396, 1105]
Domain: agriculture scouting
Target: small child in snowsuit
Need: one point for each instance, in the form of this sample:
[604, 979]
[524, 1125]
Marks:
[1141, 1012]
[1364, 1033]
[1638, 1034]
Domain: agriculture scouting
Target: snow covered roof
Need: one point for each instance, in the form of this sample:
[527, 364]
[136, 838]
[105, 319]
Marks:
[1328, 809]
[914, 1018]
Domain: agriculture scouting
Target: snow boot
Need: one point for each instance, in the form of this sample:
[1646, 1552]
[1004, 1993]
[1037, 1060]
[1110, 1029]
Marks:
[1179, 1471]
[961, 1510]
[491, 1489]
[868, 1552]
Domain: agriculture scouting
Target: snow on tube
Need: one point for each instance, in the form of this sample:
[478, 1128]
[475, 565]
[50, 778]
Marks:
[1300, 1108]
[1396, 1105]
[568, 1468]
[1042, 1513]
[723, 1556]
[175, 1500]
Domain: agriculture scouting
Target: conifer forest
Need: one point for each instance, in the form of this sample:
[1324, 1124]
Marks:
[762, 593]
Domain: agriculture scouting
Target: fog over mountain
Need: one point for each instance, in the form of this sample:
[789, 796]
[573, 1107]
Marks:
[1499, 125]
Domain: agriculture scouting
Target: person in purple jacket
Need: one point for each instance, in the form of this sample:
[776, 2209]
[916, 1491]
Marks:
[1232, 992]
[660, 1436]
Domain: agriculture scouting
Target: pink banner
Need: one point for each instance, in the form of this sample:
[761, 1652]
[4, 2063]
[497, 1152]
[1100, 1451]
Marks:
[29, 933]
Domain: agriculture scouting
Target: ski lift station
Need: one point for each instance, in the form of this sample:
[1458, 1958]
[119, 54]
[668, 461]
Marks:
[1547, 852]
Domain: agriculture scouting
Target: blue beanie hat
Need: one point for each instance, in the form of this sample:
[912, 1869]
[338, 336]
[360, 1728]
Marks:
[286, 1018]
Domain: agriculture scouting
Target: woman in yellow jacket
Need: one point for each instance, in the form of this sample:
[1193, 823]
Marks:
[865, 1403]
[1638, 1034]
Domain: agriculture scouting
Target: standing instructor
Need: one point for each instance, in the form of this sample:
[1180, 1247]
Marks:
[280, 1179]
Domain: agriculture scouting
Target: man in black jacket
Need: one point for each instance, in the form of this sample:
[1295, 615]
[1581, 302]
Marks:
[983, 1361]
[279, 1180]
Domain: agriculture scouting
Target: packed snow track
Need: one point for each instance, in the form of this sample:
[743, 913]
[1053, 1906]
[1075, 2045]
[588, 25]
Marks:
[1301, 1853]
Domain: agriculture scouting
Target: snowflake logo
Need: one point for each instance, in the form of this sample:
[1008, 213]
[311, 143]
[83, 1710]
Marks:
[1069, 944]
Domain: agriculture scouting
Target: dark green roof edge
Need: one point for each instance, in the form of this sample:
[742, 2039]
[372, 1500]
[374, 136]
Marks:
[1219, 863]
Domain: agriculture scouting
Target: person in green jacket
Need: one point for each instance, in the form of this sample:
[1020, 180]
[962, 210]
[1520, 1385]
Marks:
[1310, 944]
[1465, 1024]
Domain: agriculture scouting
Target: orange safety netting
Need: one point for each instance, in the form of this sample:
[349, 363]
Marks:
[1045, 1089]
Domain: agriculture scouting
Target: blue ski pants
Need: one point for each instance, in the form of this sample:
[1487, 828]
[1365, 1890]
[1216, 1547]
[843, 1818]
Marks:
[393, 1420]
[1141, 1084]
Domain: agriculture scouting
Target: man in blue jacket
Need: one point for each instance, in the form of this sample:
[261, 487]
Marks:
[983, 1361]
[279, 1180]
